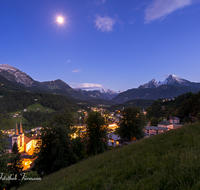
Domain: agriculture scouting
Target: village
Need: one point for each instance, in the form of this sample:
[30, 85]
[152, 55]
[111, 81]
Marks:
[28, 140]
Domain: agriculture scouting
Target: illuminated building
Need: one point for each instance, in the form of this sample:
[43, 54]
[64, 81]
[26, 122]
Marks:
[25, 145]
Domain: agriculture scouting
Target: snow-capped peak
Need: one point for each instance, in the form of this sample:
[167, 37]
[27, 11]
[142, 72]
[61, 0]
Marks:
[15, 75]
[172, 79]
[107, 91]
[7, 67]
[150, 84]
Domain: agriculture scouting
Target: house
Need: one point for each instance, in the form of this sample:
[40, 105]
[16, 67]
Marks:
[113, 140]
[166, 124]
[174, 120]
[27, 160]
[155, 130]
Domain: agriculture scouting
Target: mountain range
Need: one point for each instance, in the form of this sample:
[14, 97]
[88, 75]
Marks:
[170, 80]
[55, 86]
[170, 88]
[173, 86]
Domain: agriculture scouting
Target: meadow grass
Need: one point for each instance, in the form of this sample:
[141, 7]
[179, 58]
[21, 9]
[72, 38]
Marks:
[41, 108]
[167, 161]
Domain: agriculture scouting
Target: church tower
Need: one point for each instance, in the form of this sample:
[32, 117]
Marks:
[16, 137]
[16, 130]
[21, 137]
[20, 128]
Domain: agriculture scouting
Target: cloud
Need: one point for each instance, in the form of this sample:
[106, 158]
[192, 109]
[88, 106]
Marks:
[76, 71]
[105, 24]
[161, 8]
[88, 86]
[103, 1]
[69, 61]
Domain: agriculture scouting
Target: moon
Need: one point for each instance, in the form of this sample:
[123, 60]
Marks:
[60, 19]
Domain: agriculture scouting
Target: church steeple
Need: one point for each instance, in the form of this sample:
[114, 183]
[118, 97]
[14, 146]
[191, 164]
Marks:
[16, 130]
[20, 128]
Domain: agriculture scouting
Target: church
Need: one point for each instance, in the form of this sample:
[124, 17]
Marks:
[25, 144]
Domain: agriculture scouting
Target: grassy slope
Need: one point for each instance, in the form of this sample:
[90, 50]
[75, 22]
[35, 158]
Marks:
[42, 108]
[166, 161]
[29, 108]
[33, 108]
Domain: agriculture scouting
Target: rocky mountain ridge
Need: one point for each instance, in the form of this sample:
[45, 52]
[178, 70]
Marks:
[55, 86]
[170, 80]
[170, 88]
[15, 75]
[106, 94]
[173, 86]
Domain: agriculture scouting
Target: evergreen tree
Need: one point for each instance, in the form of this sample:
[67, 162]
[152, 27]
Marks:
[15, 166]
[96, 131]
[15, 149]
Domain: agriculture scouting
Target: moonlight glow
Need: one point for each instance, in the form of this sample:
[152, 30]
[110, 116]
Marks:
[60, 20]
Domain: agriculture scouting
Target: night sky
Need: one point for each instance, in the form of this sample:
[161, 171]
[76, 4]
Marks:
[116, 44]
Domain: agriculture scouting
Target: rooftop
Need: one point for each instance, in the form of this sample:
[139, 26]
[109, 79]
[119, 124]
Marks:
[156, 128]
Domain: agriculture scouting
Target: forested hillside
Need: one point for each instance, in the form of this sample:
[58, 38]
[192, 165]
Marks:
[185, 107]
[17, 101]
[143, 104]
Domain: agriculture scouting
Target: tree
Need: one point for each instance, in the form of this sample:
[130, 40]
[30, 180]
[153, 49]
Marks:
[198, 116]
[161, 119]
[132, 124]
[15, 166]
[154, 121]
[79, 148]
[96, 132]
[65, 119]
[4, 160]
[15, 149]
[56, 151]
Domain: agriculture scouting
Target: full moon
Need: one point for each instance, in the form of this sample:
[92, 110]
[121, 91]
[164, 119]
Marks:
[60, 20]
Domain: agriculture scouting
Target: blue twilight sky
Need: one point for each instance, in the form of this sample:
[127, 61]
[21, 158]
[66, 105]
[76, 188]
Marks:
[116, 44]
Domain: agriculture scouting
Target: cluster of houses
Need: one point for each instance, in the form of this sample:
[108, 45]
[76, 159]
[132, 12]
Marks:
[17, 115]
[114, 140]
[165, 125]
[27, 145]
